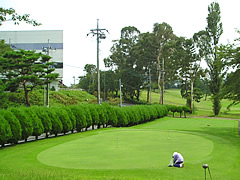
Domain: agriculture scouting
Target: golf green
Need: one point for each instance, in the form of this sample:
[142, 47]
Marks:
[127, 149]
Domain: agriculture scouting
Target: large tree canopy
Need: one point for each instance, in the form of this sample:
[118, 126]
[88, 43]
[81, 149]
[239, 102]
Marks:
[208, 41]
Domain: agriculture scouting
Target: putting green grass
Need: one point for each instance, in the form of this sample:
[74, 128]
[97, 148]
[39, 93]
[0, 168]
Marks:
[126, 149]
[139, 152]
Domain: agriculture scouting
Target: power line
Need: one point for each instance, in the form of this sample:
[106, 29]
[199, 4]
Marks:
[73, 66]
[100, 35]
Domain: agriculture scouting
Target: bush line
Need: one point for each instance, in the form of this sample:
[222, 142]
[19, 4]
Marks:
[20, 123]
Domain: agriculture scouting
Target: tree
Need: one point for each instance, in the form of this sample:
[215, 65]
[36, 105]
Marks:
[163, 34]
[88, 82]
[232, 82]
[189, 69]
[28, 69]
[11, 15]
[124, 61]
[146, 53]
[208, 41]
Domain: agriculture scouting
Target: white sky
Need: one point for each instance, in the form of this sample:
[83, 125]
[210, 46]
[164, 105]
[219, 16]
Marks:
[77, 17]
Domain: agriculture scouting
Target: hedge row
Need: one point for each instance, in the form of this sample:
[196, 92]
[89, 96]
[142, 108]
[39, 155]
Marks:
[20, 123]
[179, 109]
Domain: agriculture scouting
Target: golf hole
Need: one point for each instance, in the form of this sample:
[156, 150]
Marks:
[126, 149]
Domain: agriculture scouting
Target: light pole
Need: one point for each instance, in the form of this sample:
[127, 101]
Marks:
[120, 88]
[100, 35]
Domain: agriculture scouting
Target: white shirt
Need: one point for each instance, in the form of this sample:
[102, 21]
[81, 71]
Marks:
[177, 157]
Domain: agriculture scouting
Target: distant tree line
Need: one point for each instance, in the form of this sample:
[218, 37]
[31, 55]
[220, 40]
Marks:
[168, 60]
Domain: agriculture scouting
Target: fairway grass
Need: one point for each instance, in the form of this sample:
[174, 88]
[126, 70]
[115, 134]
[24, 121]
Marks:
[203, 108]
[139, 152]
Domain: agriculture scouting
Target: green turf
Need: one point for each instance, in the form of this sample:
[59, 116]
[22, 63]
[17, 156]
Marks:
[203, 108]
[126, 149]
[139, 152]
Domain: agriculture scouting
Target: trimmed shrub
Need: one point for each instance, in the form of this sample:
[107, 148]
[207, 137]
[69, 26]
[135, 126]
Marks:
[80, 117]
[64, 118]
[42, 114]
[180, 110]
[71, 117]
[88, 115]
[121, 116]
[25, 121]
[111, 115]
[137, 116]
[173, 109]
[5, 131]
[186, 110]
[38, 128]
[14, 124]
[130, 115]
[101, 114]
[57, 126]
[95, 116]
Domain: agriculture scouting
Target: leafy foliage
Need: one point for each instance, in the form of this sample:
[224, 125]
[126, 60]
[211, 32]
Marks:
[10, 14]
[28, 69]
[14, 124]
[5, 131]
[25, 121]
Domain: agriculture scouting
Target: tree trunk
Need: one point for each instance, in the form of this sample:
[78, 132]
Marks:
[191, 103]
[159, 75]
[138, 94]
[148, 95]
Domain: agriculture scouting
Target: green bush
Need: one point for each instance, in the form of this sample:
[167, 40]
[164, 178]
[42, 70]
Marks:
[64, 118]
[5, 131]
[38, 128]
[57, 126]
[95, 115]
[180, 110]
[136, 114]
[71, 117]
[186, 110]
[152, 111]
[14, 124]
[42, 114]
[121, 117]
[173, 109]
[80, 117]
[25, 121]
[110, 115]
[88, 115]
[141, 113]
[101, 114]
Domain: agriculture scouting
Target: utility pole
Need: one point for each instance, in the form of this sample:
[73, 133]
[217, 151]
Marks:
[163, 72]
[120, 87]
[74, 80]
[47, 50]
[150, 87]
[100, 35]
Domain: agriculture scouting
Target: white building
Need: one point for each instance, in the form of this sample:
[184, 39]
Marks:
[45, 41]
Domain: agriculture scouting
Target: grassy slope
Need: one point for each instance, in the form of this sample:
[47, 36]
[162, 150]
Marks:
[63, 97]
[173, 96]
[20, 162]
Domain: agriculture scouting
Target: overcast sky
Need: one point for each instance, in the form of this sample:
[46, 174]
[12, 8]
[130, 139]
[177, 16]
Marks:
[77, 17]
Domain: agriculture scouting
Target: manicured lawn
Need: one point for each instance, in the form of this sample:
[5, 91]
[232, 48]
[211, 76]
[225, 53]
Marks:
[139, 152]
